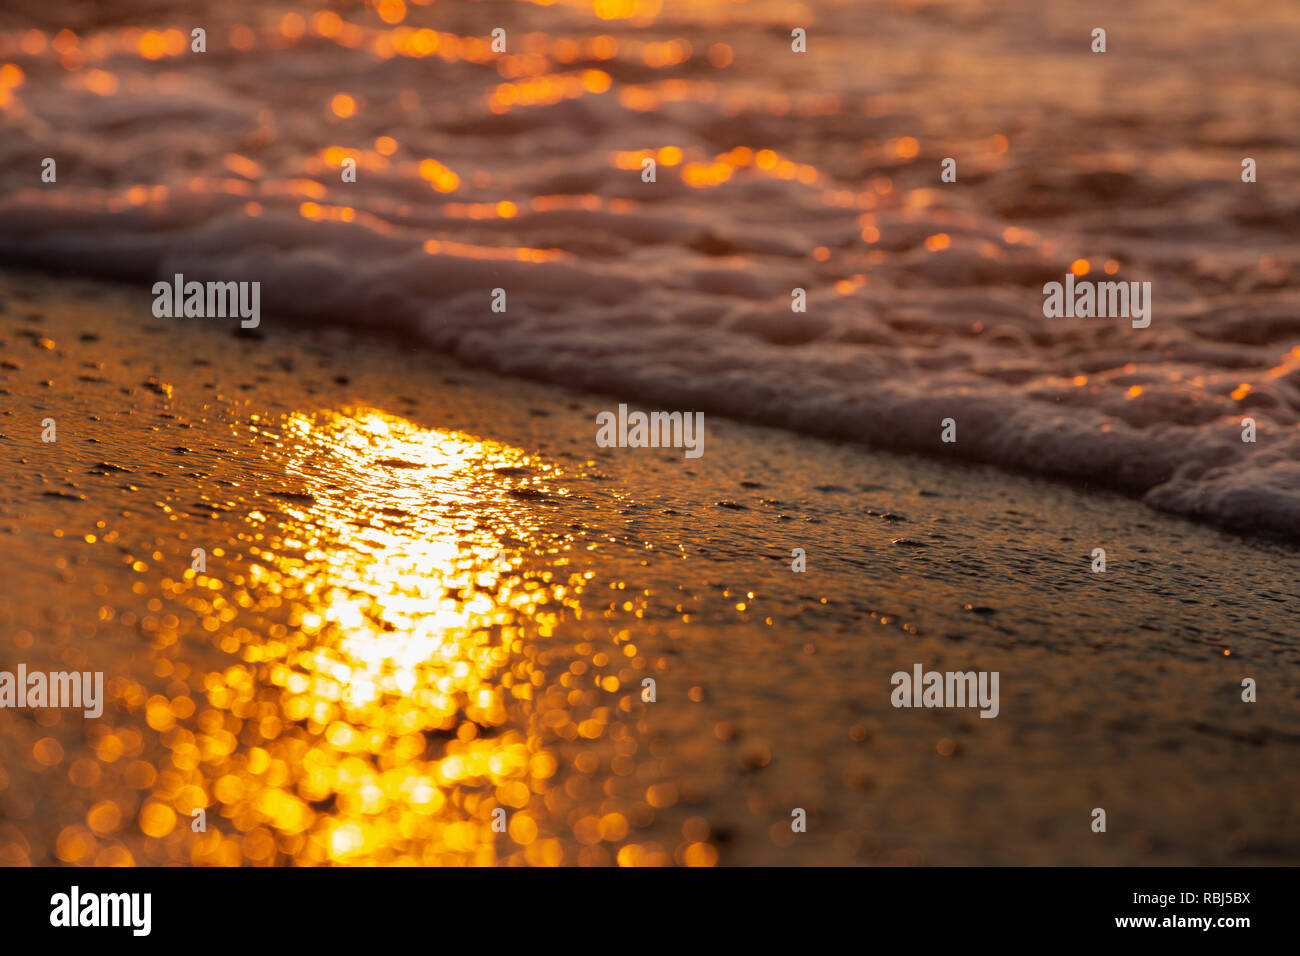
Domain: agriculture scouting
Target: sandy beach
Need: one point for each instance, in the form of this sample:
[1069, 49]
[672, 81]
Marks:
[364, 582]
[429, 595]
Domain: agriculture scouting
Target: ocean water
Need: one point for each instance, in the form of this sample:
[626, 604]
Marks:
[776, 170]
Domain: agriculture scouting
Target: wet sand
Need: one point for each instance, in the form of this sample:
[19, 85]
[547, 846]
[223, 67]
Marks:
[429, 595]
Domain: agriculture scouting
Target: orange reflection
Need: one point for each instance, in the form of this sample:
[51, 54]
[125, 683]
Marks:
[388, 696]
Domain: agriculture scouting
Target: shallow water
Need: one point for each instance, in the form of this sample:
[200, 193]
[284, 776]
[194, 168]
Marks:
[777, 170]
[428, 595]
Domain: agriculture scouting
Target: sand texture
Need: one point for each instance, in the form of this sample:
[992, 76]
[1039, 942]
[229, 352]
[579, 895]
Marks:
[428, 595]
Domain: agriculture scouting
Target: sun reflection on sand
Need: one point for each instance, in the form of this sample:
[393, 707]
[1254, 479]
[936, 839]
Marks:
[407, 698]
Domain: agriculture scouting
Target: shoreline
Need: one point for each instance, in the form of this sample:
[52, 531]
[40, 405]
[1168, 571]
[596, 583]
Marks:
[1241, 523]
